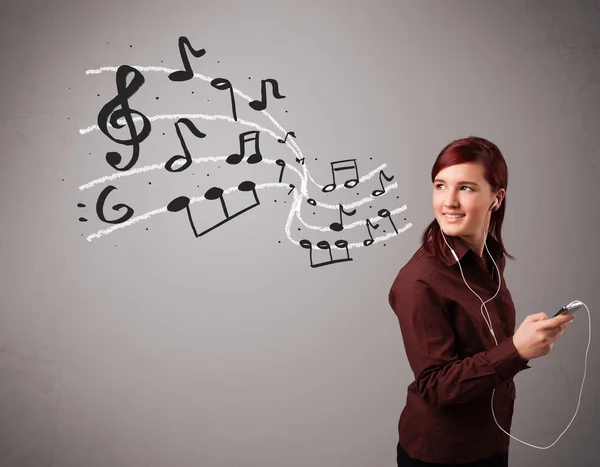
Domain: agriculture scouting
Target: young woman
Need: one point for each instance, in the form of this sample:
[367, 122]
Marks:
[462, 348]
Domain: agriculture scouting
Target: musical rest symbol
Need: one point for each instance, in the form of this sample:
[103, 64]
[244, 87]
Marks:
[117, 207]
[223, 84]
[324, 245]
[212, 194]
[369, 241]
[291, 133]
[187, 156]
[338, 226]
[281, 163]
[111, 113]
[262, 103]
[187, 74]
[245, 138]
[351, 183]
[382, 191]
[386, 213]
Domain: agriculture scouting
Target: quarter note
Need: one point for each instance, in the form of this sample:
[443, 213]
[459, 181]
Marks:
[343, 166]
[281, 163]
[187, 156]
[187, 74]
[369, 241]
[382, 191]
[291, 133]
[245, 138]
[110, 113]
[324, 245]
[212, 194]
[117, 207]
[338, 226]
[262, 103]
[223, 84]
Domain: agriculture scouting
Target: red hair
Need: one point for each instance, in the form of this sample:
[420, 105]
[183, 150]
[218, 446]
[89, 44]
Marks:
[471, 149]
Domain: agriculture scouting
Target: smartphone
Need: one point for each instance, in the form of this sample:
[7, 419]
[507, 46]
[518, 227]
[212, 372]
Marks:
[570, 308]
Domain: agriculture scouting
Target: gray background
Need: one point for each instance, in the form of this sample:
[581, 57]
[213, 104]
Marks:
[149, 347]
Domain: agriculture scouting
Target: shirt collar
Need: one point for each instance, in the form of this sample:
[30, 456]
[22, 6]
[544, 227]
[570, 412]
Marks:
[461, 248]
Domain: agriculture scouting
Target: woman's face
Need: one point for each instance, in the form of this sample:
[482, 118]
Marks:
[463, 189]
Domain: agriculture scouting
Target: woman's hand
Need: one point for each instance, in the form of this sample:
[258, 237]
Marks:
[538, 333]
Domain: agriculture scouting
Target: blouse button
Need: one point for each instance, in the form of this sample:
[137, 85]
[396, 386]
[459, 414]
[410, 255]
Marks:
[504, 325]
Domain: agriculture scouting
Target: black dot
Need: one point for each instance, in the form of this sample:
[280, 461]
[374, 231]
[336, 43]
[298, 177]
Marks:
[277, 242]
[275, 200]
[107, 42]
[63, 179]
[129, 46]
[156, 97]
[218, 61]
[90, 153]
[146, 228]
[298, 228]
[315, 158]
[69, 88]
[163, 133]
[371, 158]
[286, 111]
[192, 92]
[98, 95]
[248, 77]
[197, 186]
[384, 244]
[149, 183]
[207, 100]
[357, 193]
[405, 218]
[162, 61]
[314, 212]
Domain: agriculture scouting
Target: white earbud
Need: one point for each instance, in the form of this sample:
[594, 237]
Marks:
[495, 203]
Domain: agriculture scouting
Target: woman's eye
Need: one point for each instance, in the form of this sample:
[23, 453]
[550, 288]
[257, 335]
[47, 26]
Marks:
[464, 186]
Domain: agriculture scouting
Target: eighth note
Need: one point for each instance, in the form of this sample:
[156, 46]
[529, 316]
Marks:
[339, 226]
[223, 84]
[382, 191]
[280, 163]
[262, 103]
[187, 74]
[324, 245]
[349, 183]
[291, 133]
[245, 138]
[369, 241]
[187, 156]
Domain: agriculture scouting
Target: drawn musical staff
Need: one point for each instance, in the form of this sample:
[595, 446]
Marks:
[223, 84]
[280, 163]
[344, 166]
[324, 245]
[187, 74]
[338, 226]
[111, 113]
[245, 138]
[382, 191]
[187, 156]
[214, 193]
[117, 207]
[291, 133]
[386, 213]
[262, 103]
[369, 241]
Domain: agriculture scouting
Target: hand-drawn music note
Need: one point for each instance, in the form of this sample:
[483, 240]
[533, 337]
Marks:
[300, 160]
[280, 163]
[110, 113]
[116, 207]
[223, 84]
[291, 133]
[338, 226]
[187, 74]
[386, 213]
[324, 245]
[187, 156]
[262, 103]
[344, 166]
[214, 193]
[382, 191]
[245, 138]
[369, 241]
[311, 201]
[292, 188]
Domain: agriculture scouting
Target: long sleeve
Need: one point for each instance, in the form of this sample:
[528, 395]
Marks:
[442, 378]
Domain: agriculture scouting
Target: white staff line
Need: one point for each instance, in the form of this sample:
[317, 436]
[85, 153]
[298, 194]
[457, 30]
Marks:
[294, 210]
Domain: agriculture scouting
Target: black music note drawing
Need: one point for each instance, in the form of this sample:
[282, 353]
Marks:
[324, 245]
[338, 226]
[214, 193]
[110, 113]
[344, 166]
[311, 201]
[382, 191]
[280, 163]
[300, 160]
[116, 207]
[291, 133]
[245, 138]
[386, 213]
[223, 84]
[262, 103]
[369, 241]
[187, 74]
[187, 156]
[292, 188]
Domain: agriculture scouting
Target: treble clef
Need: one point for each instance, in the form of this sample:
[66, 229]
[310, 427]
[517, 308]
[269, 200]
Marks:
[111, 113]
